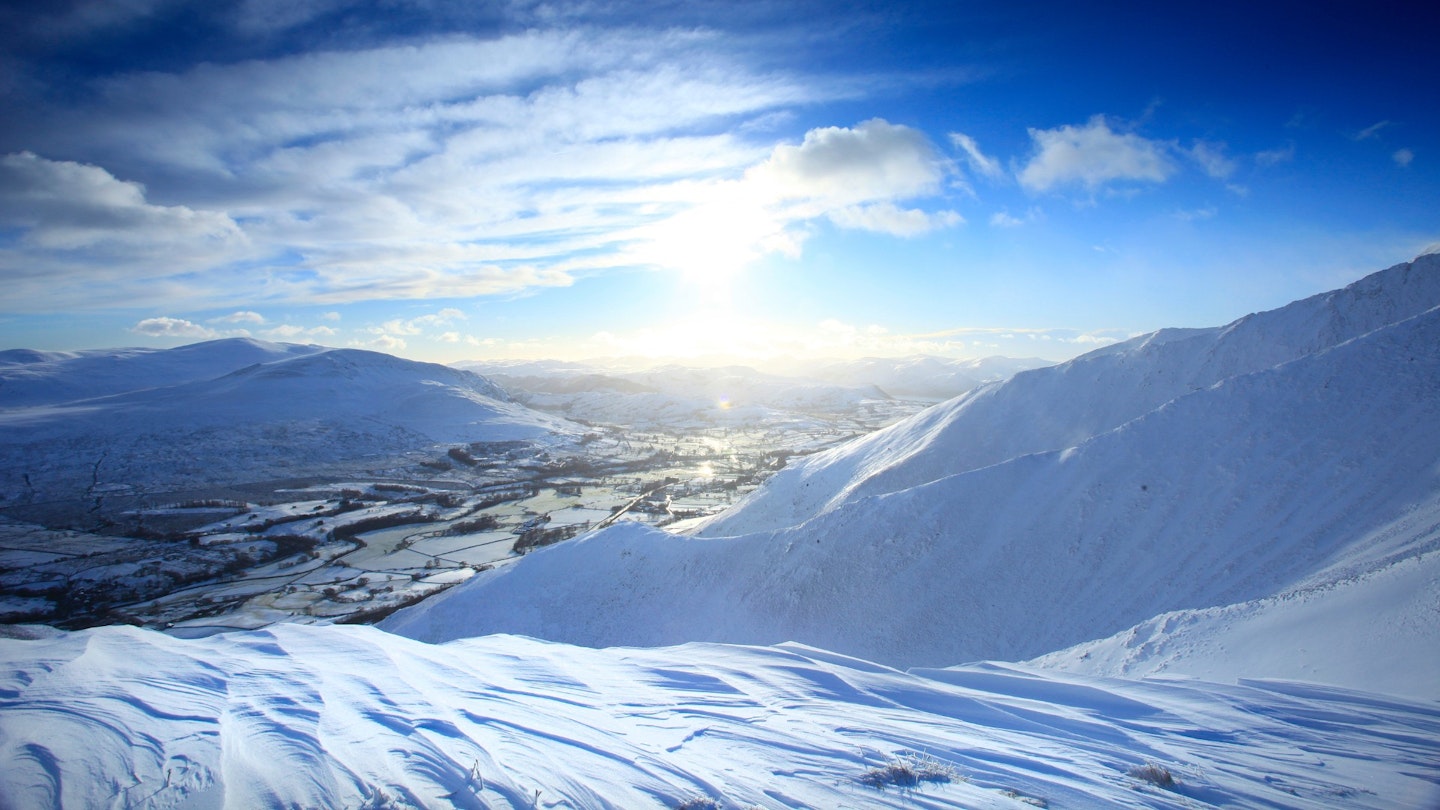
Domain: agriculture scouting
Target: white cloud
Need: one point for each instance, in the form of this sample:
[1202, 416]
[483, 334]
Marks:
[290, 330]
[172, 327]
[979, 162]
[1274, 157]
[875, 160]
[1192, 215]
[1092, 155]
[418, 325]
[1371, 131]
[851, 176]
[242, 316]
[330, 316]
[1212, 158]
[66, 206]
[447, 168]
[1004, 219]
[888, 218]
[1403, 157]
[382, 342]
[450, 337]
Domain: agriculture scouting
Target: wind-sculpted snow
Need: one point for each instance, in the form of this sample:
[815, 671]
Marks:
[1221, 495]
[1061, 406]
[299, 716]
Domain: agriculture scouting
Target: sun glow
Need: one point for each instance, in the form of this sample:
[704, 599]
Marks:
[712, 243]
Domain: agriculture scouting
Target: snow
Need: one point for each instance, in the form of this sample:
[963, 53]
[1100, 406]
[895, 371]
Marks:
[1218, 549]
[1062, 406]
[309, 410]
[37, 378]
[1379, 630]
[299, 716]
[1233, 492]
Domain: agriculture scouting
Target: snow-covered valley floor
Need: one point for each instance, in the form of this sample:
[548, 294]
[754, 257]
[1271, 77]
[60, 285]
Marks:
[298, 716]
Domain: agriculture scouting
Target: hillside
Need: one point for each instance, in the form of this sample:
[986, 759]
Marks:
[1062, 406]
[295, 415]
[959, 536]
[29, 377]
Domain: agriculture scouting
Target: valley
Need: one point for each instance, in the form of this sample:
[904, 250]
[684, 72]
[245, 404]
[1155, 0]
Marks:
[356, 544]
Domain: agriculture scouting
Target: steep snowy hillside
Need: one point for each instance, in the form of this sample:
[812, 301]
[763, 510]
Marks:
[1061, 406]
[352, 717]
[39, 378]
[1225, 494]
[290, 416]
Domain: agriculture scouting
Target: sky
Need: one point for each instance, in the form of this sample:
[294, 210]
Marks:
[741, 180]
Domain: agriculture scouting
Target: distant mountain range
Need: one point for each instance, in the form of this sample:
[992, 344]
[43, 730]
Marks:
[226, 410]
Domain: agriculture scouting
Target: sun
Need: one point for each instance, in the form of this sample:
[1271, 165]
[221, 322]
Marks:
[712, 244]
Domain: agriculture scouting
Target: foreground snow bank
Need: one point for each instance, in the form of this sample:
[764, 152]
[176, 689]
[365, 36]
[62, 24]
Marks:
[352, 716]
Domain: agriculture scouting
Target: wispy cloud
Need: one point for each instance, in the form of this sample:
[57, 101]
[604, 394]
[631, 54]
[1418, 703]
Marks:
[1371, 131]
[456, 167]
[1403, 157]
[1274, 157]
[1093, 155]
[1212, 158]
[979, 162]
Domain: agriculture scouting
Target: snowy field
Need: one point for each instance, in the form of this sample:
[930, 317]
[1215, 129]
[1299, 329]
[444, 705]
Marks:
[298, 716]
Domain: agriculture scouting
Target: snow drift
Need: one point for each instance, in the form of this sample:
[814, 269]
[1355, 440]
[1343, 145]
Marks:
[1183, 470]
[299, 716]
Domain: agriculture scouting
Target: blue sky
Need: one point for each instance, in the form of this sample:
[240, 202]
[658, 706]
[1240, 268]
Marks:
[456, 180]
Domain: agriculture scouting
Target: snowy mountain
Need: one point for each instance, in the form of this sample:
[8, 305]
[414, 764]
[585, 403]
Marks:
[302, 410]
[1183, 470]
[1255, 508]
[28, 377]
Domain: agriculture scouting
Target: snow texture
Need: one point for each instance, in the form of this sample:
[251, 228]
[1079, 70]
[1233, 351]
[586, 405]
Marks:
[1256, 504]
[1180, 471]
[300, 716]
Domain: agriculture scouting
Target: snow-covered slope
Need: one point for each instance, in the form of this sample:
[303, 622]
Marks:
[29, 377]
[299, 716]
[1061, 406]
[1379, 628]
[282, 417]
[1229, 493]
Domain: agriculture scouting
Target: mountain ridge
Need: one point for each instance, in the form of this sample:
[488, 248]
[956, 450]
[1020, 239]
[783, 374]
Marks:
[1235, 491]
